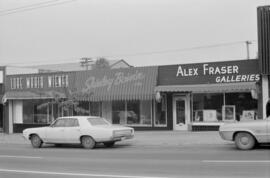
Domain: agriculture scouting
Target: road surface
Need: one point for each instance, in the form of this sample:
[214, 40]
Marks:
[127, 160]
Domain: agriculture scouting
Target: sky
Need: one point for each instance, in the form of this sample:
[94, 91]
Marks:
[142, 32]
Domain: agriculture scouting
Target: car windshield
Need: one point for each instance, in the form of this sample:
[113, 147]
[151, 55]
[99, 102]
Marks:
[97, 121]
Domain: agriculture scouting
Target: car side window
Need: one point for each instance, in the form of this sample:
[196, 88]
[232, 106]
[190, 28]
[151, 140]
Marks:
[72, 122]
[59, 123]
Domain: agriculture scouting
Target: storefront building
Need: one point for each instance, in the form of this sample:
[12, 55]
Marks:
[174, 97]
[123, 96]
[202, 96]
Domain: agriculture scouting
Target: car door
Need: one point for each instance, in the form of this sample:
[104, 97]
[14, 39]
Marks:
[72, 131]
[55, 132]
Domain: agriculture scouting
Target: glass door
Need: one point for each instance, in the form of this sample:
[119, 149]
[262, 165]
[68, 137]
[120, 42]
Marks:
[181, 112]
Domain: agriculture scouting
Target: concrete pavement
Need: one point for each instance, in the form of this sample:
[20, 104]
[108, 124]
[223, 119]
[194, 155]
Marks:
[149, 138]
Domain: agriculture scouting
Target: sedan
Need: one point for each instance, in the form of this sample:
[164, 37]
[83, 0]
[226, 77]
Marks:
[84, 130]
[246, 134]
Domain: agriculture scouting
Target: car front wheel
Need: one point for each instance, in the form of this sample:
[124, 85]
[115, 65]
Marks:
[36, 141]
[88, 142]
[244, 141]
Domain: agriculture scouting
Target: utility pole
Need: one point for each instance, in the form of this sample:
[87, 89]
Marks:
[85, 62]
[247, 44]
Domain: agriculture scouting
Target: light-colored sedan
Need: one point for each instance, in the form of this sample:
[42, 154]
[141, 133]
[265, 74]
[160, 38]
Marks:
[84, 130]
[246, 134]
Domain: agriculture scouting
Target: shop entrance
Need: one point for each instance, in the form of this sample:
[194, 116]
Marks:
[181, 112]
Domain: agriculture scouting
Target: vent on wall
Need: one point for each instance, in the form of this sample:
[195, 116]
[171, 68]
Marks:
[263, 14]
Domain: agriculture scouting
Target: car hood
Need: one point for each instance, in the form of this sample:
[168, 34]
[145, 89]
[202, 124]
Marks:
[34, 129]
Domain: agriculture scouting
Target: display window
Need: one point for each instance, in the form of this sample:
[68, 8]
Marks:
[95, 108]
[133, 113]
[207, 107]
[219, 107]
[36, 112]
[246, 108]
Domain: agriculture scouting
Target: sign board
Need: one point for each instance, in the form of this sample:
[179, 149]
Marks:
[209, 73]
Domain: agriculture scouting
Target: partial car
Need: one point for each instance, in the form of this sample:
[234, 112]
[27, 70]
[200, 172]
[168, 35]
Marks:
[246, 134]
[84, 130]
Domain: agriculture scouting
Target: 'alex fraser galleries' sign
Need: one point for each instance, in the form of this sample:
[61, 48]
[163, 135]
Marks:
[203, 73]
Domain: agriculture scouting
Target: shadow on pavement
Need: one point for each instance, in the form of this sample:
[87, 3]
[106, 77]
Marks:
[99, 146]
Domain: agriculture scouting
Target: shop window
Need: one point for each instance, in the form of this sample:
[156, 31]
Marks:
[245, 106]
[133, 113]
[95, 108]
[118, 112]
[82, 109]
[145, 111]
[36, 112]
[207, 107]
[161, 110]
[54, 112]
[224, 107]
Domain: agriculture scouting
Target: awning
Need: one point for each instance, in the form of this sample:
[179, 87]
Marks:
[117, 84]
[208, 88]
[22, 95]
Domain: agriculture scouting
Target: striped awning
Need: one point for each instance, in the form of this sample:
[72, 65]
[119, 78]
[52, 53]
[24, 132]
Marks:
[117, 84]
[21, 95]
[208, 88]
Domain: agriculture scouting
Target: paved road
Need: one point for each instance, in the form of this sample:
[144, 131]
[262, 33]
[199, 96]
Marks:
[127, 160]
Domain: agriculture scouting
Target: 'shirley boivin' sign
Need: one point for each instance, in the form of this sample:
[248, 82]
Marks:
[117, 79]
[203, 73]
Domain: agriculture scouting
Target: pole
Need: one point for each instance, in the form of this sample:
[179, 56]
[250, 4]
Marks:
[247, 44]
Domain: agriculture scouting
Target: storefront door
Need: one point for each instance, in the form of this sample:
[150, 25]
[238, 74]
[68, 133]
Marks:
[181, 112]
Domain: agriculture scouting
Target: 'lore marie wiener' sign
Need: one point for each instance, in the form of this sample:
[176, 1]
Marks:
[203, 73]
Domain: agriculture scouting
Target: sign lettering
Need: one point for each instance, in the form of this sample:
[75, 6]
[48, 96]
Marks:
[118, 79]
[223, 74]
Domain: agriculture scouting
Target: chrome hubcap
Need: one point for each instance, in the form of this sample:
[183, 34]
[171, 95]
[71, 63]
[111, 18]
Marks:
[244, 140]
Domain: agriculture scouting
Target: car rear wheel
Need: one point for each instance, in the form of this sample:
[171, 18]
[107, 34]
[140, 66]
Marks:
[88, 142]
[109, 144]
[36, 141]
[244, 141]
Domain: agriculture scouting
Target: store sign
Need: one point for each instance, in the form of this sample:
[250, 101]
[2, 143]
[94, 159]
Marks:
[117, 79]
[36, 81]
[221, 72]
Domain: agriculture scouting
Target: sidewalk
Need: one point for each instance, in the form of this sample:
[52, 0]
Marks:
[148, 138]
